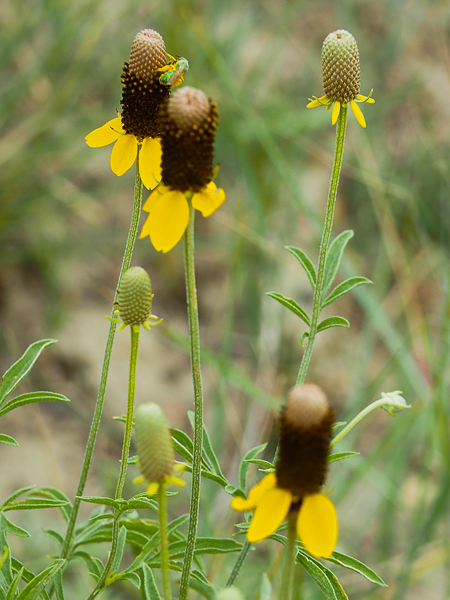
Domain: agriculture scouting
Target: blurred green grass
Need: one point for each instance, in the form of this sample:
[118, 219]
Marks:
[64, 216]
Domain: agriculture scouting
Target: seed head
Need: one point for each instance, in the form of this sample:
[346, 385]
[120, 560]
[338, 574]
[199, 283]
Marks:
[148, 53]
[188, 107]
[135, 297]
[305, 430]
[153, 443]
[340, 66]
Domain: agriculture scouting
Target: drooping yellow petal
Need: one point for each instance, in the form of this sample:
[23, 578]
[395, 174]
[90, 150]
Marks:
[336, 111]
[271, 510]
[139, 479]
[358, 113]
[362, 98]
[176, 481]
[150, 162]
[167, 221]
[123, 154]
[317, 102]
[267, 483]
[209, 199]
[153, 488]
[317, 525]
[107, 134]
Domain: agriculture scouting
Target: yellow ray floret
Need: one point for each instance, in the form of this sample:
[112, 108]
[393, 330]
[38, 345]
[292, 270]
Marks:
[336, 104]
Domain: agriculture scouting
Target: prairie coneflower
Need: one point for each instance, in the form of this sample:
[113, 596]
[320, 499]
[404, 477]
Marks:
[188, 124]
[295, 487]
[145, 85]
[341, 76]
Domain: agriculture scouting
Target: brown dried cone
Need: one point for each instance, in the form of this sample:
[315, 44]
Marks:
[305, 431]
[340, 66]
[188, 123]
[142, 93]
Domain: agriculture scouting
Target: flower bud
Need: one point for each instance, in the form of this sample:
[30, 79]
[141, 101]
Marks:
[188, 124]
[340, 66]
[148, 53]
[135, 296]
[153, 443]
[305, 431]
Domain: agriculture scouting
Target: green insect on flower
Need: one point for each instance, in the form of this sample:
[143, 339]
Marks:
[174, 72]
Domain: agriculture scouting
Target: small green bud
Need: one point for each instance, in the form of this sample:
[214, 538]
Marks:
[153, 443]
[340, 66]
[135, 297]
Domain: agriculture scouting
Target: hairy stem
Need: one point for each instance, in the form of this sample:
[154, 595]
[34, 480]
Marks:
[328, 225]
[164, 540]
[287, 582]
[238, 564]
[194, 340]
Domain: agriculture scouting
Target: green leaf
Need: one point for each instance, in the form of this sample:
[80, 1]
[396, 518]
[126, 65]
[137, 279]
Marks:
[245, 465]
[202, 585]
[333, 259]
[7, 439]
[341, 456]
[182, 444]
[133, 578]
[317, 574]
[5, 569]
[266, 588]
[142, 502]
[58, 583]
[149, 588]
[12, 590]
[355, 565]
[32, 398]
[27, 576]
[209, 475]
[332, 579]
[19, 369]
[32, 504]
[122, 538]
[332, 322]
[103, 501]
[34, 588]
[16, 494]
[55, 494]
[54, 535]
[345, 287]
[15, 529]
[303, 259]
[262, 463]
[211, 455]
[291, 305]
[94, 564]
[204, 546]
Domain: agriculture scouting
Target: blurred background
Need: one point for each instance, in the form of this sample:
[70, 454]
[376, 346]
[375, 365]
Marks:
[64, 218]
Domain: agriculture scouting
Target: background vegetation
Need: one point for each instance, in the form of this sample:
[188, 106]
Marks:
[63, 223]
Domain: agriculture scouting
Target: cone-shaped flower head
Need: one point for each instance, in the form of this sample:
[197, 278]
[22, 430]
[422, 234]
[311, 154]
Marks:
[154, 447]
[135, 296]
[294, 488]
[188, 123]
[143, 92]
[341, 76]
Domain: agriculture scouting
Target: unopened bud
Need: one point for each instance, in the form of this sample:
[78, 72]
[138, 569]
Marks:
[153, 443]
[135, 296]
[148, 53]
[305, 431]
[188, 107]
[340, 66]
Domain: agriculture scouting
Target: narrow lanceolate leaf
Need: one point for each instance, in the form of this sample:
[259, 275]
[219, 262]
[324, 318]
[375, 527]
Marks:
[6, 573]
[122, 538]
[149, 588]
[12, 590]
[317, 574]
[341, 456]
[345, 287]
[19, 369]
[33, 589]
[265, 464]
[333, 322]
[58, 583]
[333, 580]
[31, 398]
[32, 504]
[334, 256]
[103, 501]
[182, 444]
[355, 565]
[245, 465]
[7, 439]
[55, 494]
[16, 494]
[291, 305]
[265, 592]
[204, 546]
[306, 264]
[15, 529]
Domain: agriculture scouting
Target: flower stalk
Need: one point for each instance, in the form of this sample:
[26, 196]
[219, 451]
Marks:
[131, 240]
[287, 582]
[164, 541]
[194, 341]
[326, 234]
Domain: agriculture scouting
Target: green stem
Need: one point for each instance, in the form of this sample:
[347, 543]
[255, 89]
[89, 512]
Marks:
[194, 339]
[318, 290]
[124, 459]
[238, 565]
[132, 234]
[287, 582]
[162, 510]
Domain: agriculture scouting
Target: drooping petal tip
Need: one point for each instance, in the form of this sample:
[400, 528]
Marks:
[317, 525]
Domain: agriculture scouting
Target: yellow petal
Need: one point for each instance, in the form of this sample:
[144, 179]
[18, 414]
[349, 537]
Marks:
[313, 104]
[123, 154]
[317, 525]
[209, 199]
[267, 483]
[139, 479]
[153, 488]
[150, 162]
[176, 481]
[358, 114]
[167, 221]
[271, 510]
[336, 111]
[107, 134]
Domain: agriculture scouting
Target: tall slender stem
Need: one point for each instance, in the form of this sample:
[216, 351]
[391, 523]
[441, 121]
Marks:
[318, 290]
[287, 582]
[238, 564]
[164, 541]
[194, 339]
[132, 234]
[124, 460]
